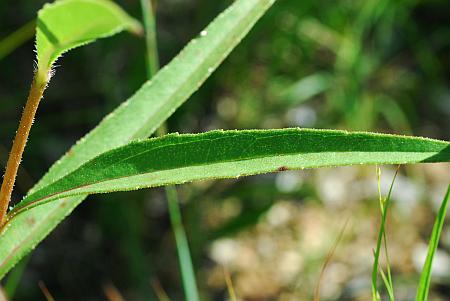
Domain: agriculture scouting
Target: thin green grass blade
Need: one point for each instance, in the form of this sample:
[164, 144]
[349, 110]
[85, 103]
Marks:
[306, 88]
[151, 56]
[184, 256]
[386, 279]
[139, 117]
[425, 277]
[384, 206]
[177, 159]
[327, 261]
[387, 284]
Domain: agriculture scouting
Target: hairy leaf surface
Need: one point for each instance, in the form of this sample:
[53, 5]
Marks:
[66, 24]
[152, 104]
[175, 159]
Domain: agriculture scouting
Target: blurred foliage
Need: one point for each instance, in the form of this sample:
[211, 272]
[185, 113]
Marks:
[360, 65]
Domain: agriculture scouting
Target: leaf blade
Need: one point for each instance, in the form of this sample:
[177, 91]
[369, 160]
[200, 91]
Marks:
[31, 227]
[177, 159]
[425, 276]
[64, 25]
[158, 98]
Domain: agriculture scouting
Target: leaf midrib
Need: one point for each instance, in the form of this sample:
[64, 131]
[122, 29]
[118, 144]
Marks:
[41, 200]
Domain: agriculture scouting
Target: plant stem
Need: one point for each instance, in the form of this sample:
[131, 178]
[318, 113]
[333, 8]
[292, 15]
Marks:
[151, 57]
[184, 256]
[15, 156]
[384, 206]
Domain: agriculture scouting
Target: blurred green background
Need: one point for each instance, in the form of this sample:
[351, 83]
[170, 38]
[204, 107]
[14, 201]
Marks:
[375, 65]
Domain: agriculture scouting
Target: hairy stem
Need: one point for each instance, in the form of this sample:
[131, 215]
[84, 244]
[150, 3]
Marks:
[15, 156]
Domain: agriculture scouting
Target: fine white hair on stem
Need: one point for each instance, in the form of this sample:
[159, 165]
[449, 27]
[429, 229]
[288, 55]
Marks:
[35, 66]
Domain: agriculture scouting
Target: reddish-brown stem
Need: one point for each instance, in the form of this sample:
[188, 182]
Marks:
[15, 156]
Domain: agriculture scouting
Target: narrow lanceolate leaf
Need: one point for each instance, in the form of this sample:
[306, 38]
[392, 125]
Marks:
[137, 118]
[425, 277]
[66, 24]
[175, 159]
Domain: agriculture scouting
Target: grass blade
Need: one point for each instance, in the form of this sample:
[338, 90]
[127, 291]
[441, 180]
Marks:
[384, 206]
[425, 277]
[327, 261]
[152, 59]
[184, 256]
[386, 279]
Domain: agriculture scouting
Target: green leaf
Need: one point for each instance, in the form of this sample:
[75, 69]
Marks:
[384, 207]
[176, 159]
[425, 277]
[137, 118]
[158, 98]
[66, 24]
